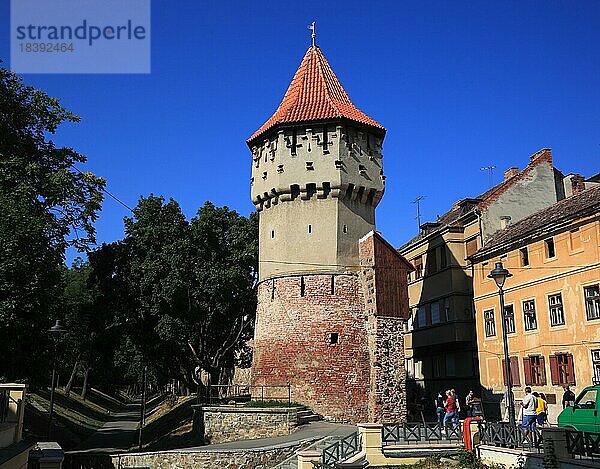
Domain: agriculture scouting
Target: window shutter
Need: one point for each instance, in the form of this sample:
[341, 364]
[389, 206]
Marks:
[571, 369]
[554, 370]
[514, 371]
[504, 372]
[527, 371]
[543, 369]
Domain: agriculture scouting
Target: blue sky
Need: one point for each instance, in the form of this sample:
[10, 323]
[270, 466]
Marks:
[458, 85]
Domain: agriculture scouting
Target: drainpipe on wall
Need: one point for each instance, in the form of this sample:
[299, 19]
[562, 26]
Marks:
[477, 213]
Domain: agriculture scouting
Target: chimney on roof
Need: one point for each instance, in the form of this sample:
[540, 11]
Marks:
[510, 172]
[504, 221]
[547, 152]
[577, 184]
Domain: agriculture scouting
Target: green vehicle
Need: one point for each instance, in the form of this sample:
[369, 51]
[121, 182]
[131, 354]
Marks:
[583, 416]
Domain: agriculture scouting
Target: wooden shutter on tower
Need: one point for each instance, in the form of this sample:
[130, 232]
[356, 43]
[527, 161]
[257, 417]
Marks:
[527, 371]
[543, 369]
[571, 369]
[554, 370]
[514, 371]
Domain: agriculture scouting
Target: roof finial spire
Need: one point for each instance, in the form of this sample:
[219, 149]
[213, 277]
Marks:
[313, 28]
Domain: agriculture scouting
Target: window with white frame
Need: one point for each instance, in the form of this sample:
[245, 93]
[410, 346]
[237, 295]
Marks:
[529, 318]
[509, 319]
[489, 323]
[592, 301]
[596, 365]
[557, 313]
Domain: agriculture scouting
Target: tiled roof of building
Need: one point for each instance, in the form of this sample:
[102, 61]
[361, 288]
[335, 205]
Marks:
[547, 220]
[314, 94]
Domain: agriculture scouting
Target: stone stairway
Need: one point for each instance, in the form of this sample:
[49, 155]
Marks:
[307, 415]
[292, 461]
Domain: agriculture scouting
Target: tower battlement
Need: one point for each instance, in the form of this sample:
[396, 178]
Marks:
[320, 161]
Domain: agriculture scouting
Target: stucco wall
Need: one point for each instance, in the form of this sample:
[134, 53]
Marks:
[567, 273]
[530, 192]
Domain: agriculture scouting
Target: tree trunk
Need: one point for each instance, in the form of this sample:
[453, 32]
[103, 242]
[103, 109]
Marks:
[85, 382]
[71, 379]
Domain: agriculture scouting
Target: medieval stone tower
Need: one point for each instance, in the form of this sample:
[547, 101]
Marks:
[317, 176]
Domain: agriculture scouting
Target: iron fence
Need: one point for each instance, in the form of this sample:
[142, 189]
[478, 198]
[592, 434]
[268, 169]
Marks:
[583, 444]
[217, 393]
[407, 433]
[340, 450]
[510, 436]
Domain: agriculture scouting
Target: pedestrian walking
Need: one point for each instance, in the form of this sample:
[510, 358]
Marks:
[507, 398]
[457, 403]
[568, 399]
[529, 405]
[469, 403]
[439, 407]
[450, 406]
[542, 410]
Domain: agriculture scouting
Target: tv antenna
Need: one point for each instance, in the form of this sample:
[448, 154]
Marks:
[490, 170]
[418, 202]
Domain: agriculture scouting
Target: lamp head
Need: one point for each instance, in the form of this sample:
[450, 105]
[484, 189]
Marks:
[58, 329]
[499, 274]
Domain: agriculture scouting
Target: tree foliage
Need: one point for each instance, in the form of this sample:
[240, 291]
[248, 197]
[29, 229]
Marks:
[175, 294]
[47, 205]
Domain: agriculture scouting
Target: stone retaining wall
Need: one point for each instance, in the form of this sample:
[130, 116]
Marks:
[207, 459]
[231, 423]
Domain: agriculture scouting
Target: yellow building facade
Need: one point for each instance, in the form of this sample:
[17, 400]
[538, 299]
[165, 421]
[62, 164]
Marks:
[440, 340]
[552, 301]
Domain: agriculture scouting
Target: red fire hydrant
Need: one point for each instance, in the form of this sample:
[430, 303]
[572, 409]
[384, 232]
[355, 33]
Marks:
[467, 440]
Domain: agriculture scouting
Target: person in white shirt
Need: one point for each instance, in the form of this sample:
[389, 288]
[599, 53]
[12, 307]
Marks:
[529, 405]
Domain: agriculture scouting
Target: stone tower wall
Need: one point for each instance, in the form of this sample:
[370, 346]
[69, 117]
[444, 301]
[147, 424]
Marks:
[315, 188]
[293, 343]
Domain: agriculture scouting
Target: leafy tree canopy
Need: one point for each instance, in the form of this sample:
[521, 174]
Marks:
[47, 205]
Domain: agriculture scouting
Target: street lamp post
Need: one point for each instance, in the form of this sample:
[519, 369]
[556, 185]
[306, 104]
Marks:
[56, 331]
[500, 274]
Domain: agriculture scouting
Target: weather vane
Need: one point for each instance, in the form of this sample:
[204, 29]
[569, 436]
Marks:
[313, 28]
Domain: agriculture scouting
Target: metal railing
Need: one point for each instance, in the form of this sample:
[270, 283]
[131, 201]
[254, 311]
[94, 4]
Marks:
[340, 450]
[583, 444]
[407, 433]
[507, 436]
[221, 392]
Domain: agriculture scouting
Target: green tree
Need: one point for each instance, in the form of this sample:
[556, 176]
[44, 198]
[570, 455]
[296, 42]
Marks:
[47, 205]
[190, 287]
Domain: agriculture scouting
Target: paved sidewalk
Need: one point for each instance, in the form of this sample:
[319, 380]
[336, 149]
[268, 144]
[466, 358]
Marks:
[309, 432]
[115, 436]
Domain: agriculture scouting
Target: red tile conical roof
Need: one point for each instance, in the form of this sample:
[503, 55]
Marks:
[315, 93]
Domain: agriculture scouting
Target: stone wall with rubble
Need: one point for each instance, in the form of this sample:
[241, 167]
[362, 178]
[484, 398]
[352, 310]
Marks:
[311, 332]
[207, 459]
[231, 423]
[384, 283]
[388, 396]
